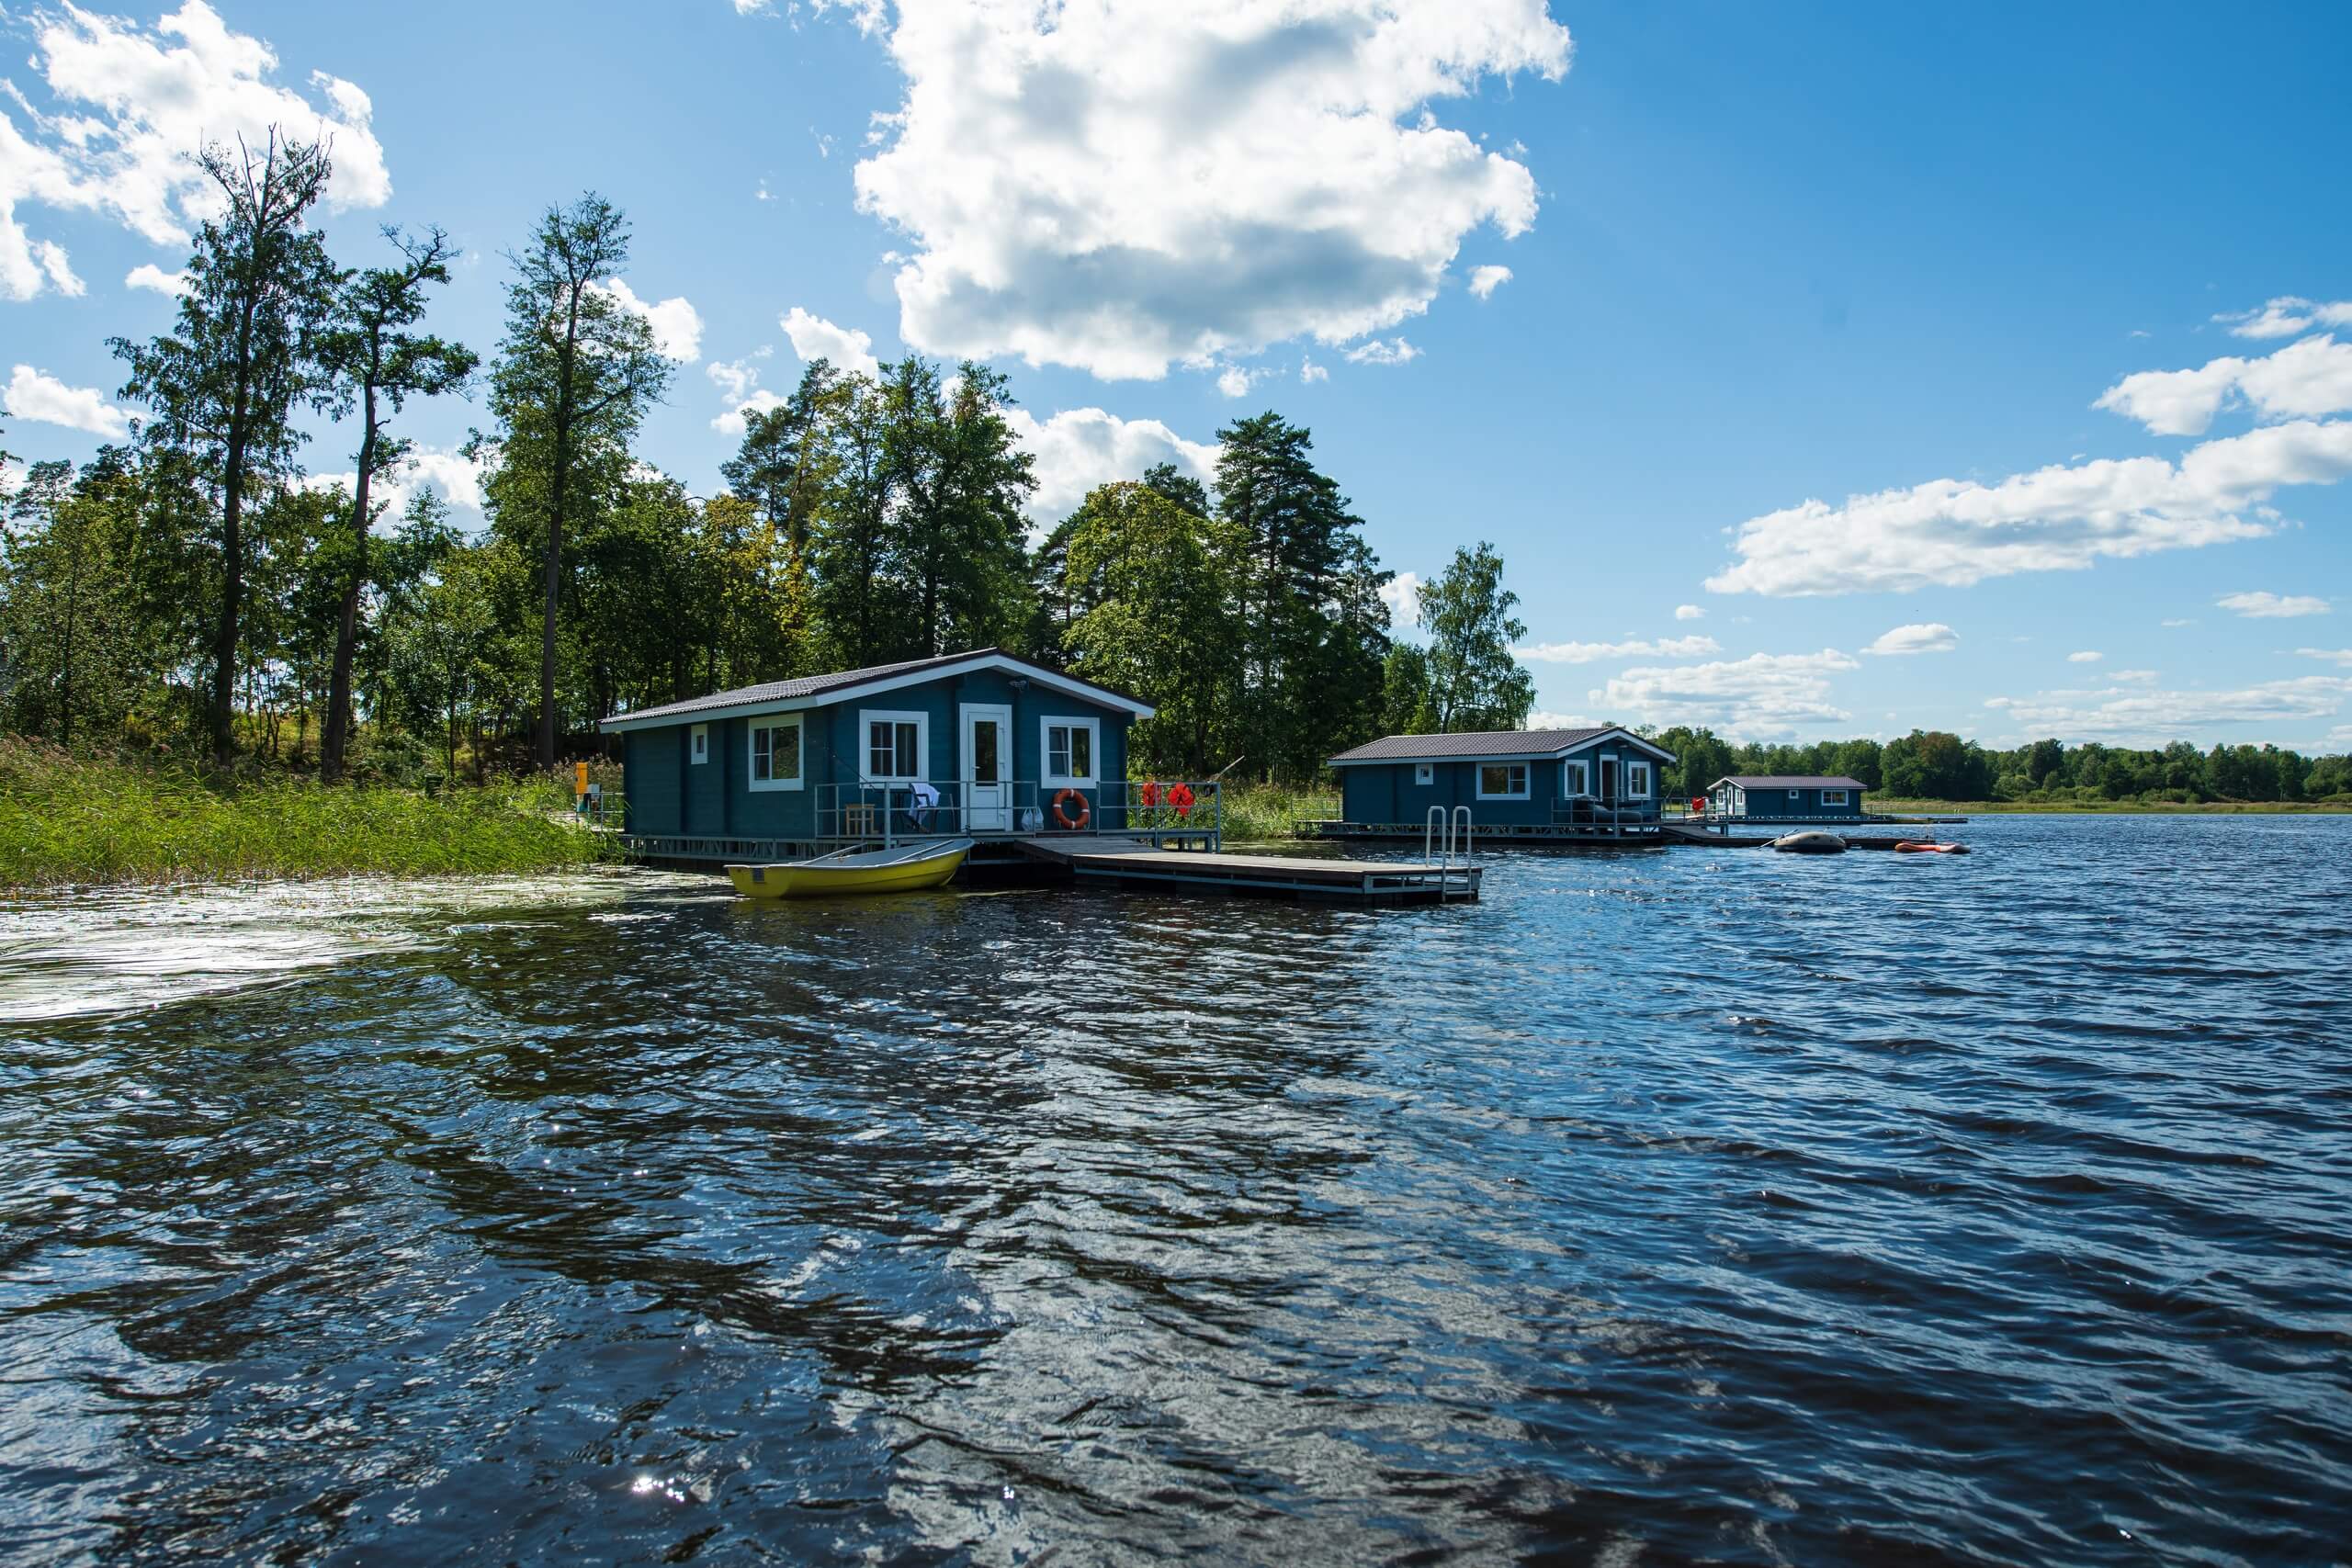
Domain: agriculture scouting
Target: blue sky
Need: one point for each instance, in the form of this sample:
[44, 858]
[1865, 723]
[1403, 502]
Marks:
[1816, 336]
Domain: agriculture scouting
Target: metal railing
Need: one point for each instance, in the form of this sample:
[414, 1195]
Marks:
[886, 810]
[1440, 836]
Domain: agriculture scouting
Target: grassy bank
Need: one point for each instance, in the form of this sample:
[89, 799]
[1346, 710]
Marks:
[76, 820]
[1273, 811]
[2332, 805]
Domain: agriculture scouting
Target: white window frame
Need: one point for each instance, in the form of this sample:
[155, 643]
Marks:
[756, 728]
[1576, 778]
[1526, 772]
[1833, 797]
[1425, 773]
[867, 718]
[698, 744]
[1637, 778]
[1092, 777]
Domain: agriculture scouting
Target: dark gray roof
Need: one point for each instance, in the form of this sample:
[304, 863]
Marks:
[1791, 781]
[1478, 743]
[842, 680]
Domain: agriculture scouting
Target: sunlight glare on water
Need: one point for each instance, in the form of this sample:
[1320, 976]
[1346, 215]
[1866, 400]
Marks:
[1697, 1203]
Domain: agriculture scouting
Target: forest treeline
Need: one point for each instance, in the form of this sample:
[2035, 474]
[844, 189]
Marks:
[1934, 765]
[195, 585]
[195, 589]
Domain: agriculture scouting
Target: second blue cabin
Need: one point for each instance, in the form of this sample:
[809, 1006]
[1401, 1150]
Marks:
[980, 743]
[1794, 797]
[1527, 778]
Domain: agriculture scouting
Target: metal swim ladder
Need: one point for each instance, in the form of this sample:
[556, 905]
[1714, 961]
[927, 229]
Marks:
[1438, 841]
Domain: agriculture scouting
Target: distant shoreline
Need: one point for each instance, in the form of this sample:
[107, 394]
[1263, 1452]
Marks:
[2110, 808]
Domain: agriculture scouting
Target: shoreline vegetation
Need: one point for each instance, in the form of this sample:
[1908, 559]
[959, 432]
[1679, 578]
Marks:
[2333, 806]
[72, 820]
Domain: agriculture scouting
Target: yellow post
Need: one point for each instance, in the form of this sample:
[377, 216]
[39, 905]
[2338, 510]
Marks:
[578, 778]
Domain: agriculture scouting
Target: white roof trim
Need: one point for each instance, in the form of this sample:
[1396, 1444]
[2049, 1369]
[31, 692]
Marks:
[619, 723]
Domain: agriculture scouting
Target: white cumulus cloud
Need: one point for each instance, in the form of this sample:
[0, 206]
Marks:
[1952, 533]
[1078, 449]
[1689, 612]
[2310, 378]
[1393, 351]
[1310, 372]
[454, 476]
[1402, 594]
[147, 275]
[2287, 315]
[1484, 280]
[1633, 648]
[35, 395]
[814, 338]
[2338, 655]
[733, 378]
[127, 106]
[1919, 637]
[1762, 694]
[677, 325]
[2269, 607]
[1121, 187]
[2141, 717]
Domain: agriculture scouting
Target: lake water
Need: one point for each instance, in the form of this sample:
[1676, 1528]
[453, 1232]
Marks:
[1695, 1203]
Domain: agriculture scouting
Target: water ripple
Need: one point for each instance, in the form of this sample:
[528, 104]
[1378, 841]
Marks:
[1684, 1205]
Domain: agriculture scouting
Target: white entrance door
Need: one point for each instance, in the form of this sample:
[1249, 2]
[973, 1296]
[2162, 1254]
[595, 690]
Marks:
[988, 768]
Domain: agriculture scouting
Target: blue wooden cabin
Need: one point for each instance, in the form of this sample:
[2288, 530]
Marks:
[1802, 797]
[1536, 781]
[1007, 745]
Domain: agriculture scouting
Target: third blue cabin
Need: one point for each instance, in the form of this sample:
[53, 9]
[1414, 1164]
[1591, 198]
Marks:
[982, 742]
[1801, 797]
[1508, 778]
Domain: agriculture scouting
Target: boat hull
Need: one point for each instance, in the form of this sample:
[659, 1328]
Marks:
[803, 881]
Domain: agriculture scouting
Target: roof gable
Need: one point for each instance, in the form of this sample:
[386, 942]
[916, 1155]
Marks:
[1489, 745]
[817, 691]
[1790, 781]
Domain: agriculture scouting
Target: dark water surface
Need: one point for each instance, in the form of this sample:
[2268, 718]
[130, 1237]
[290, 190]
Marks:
[1700, 1204]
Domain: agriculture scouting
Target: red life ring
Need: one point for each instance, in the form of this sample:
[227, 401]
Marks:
[1179, 795]
[1085, 810]
[1150, 794]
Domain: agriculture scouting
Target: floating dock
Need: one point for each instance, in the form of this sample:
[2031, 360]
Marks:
[1652, 833]
[1111, 862]
[1185, 862]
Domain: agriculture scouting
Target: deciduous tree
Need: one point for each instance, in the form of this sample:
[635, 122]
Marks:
[376, 362]
[241, 354]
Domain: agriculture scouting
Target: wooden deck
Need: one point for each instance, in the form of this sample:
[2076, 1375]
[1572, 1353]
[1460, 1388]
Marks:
[1313, 878]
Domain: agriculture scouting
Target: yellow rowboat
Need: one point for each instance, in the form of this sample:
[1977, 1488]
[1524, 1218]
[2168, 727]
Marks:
[906, 869]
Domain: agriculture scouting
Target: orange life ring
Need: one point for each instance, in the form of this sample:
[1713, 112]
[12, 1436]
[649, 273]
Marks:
[1179, 795]
[1085, 810]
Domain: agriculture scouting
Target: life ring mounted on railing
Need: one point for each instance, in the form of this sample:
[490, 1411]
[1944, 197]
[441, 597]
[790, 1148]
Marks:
[1061, 812]
[1179, 795]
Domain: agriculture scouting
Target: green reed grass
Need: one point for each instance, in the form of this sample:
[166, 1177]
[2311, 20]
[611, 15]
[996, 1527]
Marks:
[1273, 811]
[67, 818]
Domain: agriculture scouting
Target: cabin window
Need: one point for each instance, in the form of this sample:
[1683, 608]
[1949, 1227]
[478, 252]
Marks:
[700, 748]
[776, 753]
[896, 744]
[1575, 778]
[1637, 780]
[1070, 747]
[1833, 797]
[1424, 772]
[1503, 781]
